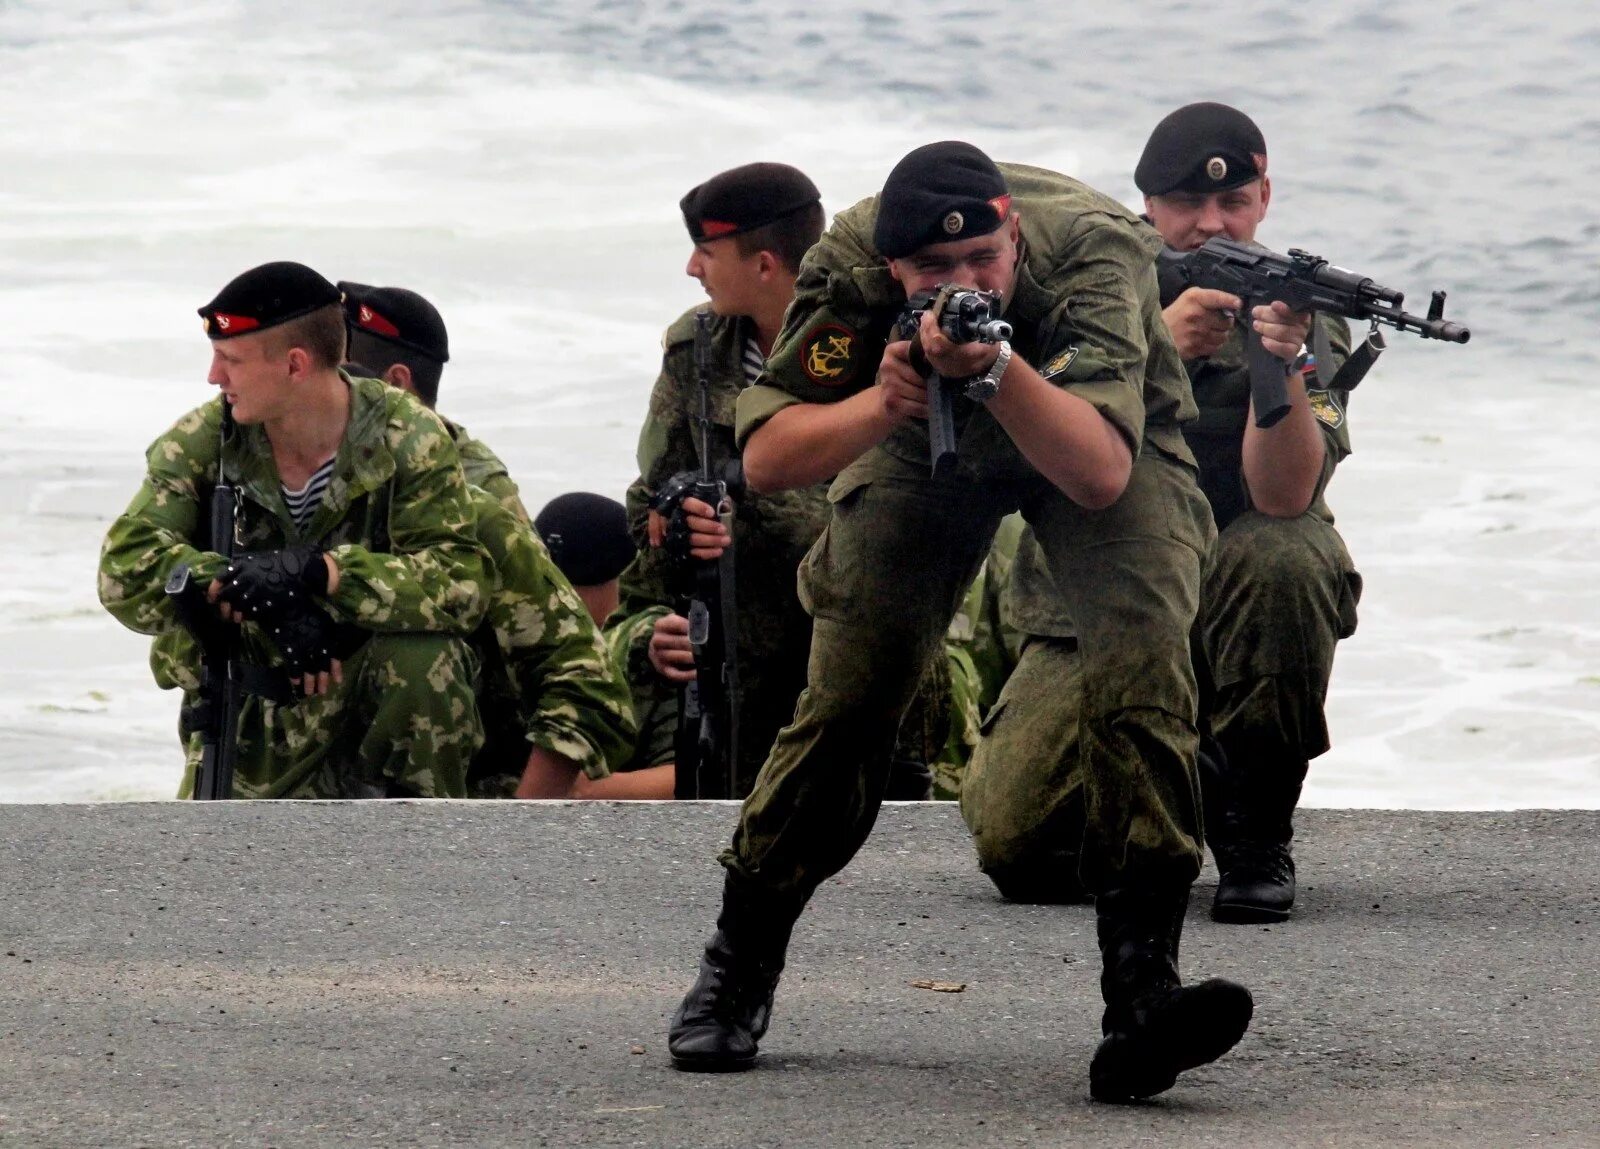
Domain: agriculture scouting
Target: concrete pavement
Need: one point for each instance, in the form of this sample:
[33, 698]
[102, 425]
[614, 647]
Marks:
[501, 974]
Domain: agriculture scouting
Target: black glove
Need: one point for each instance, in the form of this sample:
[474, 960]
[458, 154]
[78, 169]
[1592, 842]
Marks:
[267, 585]
[305, 638]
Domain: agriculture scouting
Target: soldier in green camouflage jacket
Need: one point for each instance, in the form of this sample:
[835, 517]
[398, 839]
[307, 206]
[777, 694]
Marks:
[751, 226]
[400, 337]
[1078, 426]
[554, 708]
[359, 485]
[1280, 589]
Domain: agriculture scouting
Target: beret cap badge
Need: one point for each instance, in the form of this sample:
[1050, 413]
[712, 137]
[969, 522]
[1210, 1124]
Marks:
[1217, 168]
[954, 222]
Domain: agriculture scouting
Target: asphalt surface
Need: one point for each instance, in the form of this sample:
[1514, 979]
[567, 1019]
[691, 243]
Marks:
[501, 974]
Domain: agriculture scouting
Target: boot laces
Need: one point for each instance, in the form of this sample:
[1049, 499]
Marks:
[1269, 860]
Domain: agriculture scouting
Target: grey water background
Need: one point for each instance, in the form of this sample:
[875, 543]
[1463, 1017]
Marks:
[520, 163]
[1450, 145]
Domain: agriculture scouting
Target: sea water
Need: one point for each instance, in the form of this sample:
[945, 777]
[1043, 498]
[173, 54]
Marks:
[521, 163]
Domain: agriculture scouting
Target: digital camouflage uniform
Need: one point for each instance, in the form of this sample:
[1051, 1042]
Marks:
[897, 557]
[982, 650]
[546, 679]
[1278, 594]
[772, 534]
[398, 521]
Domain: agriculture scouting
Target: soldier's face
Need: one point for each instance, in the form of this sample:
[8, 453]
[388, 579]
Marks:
[731, 280]
[1187, 219]
[987, 262]
[253, 374]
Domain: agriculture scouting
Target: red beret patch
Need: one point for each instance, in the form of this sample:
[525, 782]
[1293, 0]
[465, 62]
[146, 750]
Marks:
[372, 321]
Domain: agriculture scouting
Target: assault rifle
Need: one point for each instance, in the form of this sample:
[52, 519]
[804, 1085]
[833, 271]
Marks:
[1305, 282]
[964, 315]
[216, 710]
[225, 677]
[706, 742]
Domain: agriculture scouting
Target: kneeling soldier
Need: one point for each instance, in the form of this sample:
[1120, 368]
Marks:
[352, 536]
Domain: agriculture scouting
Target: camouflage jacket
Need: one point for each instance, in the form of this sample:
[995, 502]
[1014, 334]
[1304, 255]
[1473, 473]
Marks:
[483, 468]
[1222, 390]
[1086, 312]
[396, 518]
[772, 531]
[655, 701]
[544, 663]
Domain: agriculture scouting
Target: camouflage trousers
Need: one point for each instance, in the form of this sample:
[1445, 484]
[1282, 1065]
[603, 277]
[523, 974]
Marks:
[402, 724]
[883, 583]
[1279, 595]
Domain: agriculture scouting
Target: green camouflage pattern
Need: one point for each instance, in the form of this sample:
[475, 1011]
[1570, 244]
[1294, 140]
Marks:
[982, 651]
[901, 549]
[1279, 593]
[772, 533]
[655, 701]
[1222, 391]
[546, 678]
[884, 582]
[1277, 596]
[484, 469]
[402, 725]
[399, 522]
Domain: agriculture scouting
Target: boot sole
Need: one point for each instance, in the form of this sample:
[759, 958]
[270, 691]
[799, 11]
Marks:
[1246, 913]
[693, 1064]
[1133, 1068]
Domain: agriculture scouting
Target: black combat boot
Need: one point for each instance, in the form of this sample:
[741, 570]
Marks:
[1155, 1027]
[1254, 861]
[726, 1012]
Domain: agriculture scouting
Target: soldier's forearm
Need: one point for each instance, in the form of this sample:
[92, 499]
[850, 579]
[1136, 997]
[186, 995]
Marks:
[810, 442]
[1063, 436]
[1282, 464]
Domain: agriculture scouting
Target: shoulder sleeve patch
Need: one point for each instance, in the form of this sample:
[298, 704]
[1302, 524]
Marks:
[830, 354]
[1059, 363]
[1326, 407]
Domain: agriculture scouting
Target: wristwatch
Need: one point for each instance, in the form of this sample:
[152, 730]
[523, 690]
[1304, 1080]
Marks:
[984, 387]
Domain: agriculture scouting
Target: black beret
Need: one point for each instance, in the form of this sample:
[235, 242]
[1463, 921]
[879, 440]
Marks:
[264, 297]
[587, 536]
[939, 193]
[396, 315]
[1202, 148]
[745, 198]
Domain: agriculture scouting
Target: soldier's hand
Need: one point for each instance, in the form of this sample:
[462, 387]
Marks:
[305, 640]
[1283, 330]
[272, 584]
[950, 359]
[902, 392]
[708, 538]
[1200, 321]
[670, 652]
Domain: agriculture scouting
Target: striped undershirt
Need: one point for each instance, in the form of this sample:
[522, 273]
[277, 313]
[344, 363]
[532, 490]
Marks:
[753, 360]
[303, 503]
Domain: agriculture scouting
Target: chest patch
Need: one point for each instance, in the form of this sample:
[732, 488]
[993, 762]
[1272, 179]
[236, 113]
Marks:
[1059, 363]
[1326, 407]
[829, 354]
